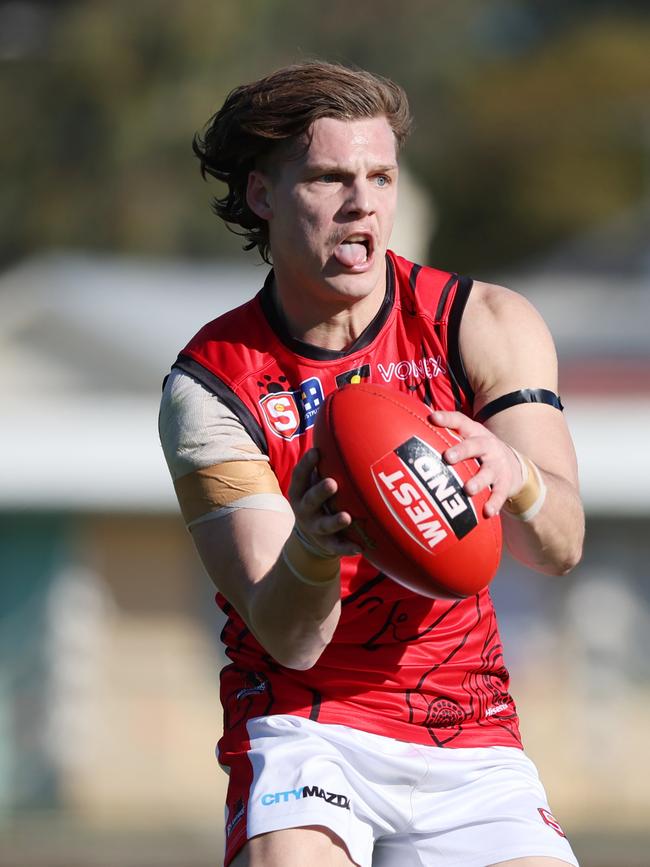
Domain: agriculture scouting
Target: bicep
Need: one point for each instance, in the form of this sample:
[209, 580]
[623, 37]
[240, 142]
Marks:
[506, 346]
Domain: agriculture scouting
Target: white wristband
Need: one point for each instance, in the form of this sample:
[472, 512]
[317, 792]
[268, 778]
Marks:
[530, 498]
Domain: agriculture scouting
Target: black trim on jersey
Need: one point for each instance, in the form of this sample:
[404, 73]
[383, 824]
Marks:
[413, 279]
[458, 376]
[411, 308]
[513, 398]
[225, 394]
[409, 300]
[428, 391]
[278, 323]
[446, 289]
[314, 713]
[413, 276]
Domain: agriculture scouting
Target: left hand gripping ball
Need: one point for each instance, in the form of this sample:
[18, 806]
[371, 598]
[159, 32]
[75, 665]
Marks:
[410, 513]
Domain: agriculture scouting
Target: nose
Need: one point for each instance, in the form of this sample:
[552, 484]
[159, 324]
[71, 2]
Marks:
[358, 200]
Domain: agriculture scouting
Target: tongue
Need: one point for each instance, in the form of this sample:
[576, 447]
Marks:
[351, 254]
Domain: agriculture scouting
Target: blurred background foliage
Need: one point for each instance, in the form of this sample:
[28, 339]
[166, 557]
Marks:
[532, 118]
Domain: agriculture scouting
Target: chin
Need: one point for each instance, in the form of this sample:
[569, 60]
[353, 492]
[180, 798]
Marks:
[360, 284]
[353, 287]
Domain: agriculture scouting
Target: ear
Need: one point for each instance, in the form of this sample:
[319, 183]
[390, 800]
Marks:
[258, 194]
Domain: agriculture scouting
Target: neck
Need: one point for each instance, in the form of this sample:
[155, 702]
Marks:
[328, 323]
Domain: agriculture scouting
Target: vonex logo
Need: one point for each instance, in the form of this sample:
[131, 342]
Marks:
[421, 368]
[271, 798]
[424, 494]
[291, 413]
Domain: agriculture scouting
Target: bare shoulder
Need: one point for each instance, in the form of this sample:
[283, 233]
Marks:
[505, 343]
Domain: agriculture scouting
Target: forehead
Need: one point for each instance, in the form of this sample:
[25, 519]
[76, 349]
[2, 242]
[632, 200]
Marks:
[335, 141]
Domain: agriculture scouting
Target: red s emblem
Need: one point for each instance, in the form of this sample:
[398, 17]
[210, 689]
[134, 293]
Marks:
[282, 414]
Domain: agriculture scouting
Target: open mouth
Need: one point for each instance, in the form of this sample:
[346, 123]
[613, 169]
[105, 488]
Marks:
[354, 251]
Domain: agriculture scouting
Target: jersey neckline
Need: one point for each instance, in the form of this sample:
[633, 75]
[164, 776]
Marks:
[278, 322]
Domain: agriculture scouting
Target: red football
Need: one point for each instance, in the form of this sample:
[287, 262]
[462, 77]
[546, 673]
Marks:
[410, 513]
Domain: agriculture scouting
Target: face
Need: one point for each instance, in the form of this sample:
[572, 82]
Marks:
[330, 211]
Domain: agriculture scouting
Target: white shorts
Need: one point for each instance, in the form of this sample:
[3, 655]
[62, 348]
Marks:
[391, 803]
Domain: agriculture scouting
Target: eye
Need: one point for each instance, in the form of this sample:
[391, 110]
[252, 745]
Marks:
[382, 180]
[329, 178]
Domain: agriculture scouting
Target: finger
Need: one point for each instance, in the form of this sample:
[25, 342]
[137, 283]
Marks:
[477, 448]
[456, 421]
[483, 479]
[336, 537]
[308, 499]
[327, 532]
[487, 477]
[301, 476]
[316, 497]
[342, 548]
[494, 503]
[322, 524]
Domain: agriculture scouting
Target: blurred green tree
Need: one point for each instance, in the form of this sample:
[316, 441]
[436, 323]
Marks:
[531, 119]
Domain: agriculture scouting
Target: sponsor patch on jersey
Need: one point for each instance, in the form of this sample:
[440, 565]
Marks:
[427, 367]
[354, 376]
[290, 413]
[424, 493]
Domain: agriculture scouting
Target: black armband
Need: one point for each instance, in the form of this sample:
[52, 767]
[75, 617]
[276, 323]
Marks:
[524, 395]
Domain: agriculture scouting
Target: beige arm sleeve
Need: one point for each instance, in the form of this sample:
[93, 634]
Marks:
[215, 465]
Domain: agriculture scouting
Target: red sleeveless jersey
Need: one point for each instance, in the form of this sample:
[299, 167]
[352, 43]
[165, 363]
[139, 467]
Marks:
[399, 664]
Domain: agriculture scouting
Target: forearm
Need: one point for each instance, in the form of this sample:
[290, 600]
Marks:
[551, 541]
[295, 609]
